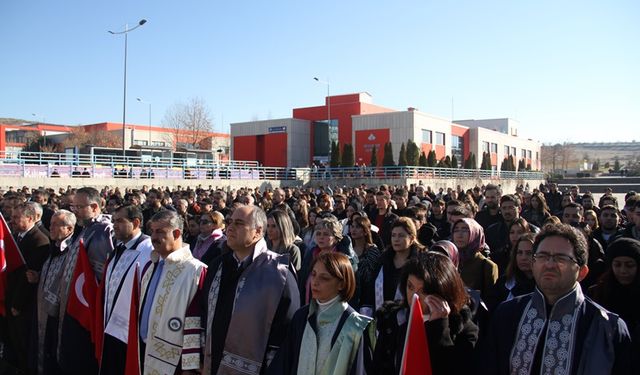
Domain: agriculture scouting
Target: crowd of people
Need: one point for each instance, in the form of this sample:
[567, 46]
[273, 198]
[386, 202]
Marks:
[320, 280]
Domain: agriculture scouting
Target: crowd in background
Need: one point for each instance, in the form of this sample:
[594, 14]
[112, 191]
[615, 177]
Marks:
[356, 255]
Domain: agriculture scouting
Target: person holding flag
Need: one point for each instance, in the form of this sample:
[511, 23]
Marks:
[451, 336]
[134, 248]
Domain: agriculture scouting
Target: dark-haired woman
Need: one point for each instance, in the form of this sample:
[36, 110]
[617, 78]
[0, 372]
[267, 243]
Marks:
[518, 278]
[325, 336]
[367, 252]
[451, 334]
[384, 285]
[538, 211]
[618, 290]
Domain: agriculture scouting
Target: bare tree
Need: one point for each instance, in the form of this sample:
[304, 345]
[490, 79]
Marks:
[557, 157]
[79, 136]
[190, 123]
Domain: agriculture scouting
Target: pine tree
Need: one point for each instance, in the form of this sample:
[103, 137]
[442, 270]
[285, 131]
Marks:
[473, 162]
[423, 160]
[348, 159]
[440, 163]
[374, 157]
[454, 162]
[413, 153]
[334, 162]
[387, 159]
[431, 159]
[402, 156]
[447, 162]
[512, 163]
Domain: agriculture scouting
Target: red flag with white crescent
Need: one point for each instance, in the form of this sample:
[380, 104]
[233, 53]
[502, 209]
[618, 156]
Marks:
[415, 358]
[82, 294]
[10, 258]
[132, 365]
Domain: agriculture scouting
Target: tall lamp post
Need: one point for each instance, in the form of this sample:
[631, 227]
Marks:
[328, 100]
[149, 103]
[124, 102]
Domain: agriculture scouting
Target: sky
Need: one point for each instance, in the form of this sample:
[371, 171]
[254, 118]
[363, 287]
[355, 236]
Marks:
[568, 71]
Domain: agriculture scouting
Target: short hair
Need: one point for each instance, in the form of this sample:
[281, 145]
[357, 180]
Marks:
[41, 192]
[510, 198]
[37, 207]
[332, 224]
[258, 218]
[384, 194]
[26, 210]
[460, 211]
[571, 234]
[92, 194]
[610, 207]
[338, 266]
[401, 193]
[522, 223]
[159, 193]
[493, 187]
[170, 217]
[578, 206]
[440, 277]
[131, 212]
[68, 217]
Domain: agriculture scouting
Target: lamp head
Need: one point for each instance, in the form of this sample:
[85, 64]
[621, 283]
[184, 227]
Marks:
[142, 22]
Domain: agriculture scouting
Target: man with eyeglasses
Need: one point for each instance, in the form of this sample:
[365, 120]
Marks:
[250, 296]
[556, 329]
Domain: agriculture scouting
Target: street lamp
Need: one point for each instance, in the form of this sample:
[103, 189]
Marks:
[143, 102]
[328, 101]
[124, 104]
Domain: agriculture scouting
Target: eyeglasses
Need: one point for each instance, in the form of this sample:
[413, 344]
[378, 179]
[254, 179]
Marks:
[556, 258]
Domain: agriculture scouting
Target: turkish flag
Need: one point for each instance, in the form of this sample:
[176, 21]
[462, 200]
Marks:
[132, 365]
[415, 358]
[11, 259]
[82, 295]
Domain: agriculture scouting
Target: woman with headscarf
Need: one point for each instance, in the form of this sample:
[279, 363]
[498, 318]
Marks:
[477, 271]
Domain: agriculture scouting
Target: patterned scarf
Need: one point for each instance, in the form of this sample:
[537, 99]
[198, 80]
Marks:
[559, 337]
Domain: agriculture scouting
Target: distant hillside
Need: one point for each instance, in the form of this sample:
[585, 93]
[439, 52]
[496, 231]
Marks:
[573, 156]
[14, 121]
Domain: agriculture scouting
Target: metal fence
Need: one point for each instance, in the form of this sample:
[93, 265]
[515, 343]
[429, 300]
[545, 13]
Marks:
[417, 173]
[54, 165]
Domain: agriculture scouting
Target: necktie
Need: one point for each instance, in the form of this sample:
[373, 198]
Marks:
[151, 292]
[119, 251]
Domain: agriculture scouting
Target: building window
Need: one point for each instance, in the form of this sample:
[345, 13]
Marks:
[485, 146]
[494, 148]
[524, 153]
[457, 147]
[529, 154]
[140, 142]
[158, 143]
[537, 156]
[513, 151]
[426, 136]
[439, 138]
[507, 149]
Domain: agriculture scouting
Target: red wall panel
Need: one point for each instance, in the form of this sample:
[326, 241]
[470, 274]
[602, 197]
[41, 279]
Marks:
[366, 139]
[244, 148]
[275, 150]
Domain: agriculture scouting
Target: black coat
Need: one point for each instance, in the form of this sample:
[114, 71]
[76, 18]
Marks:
[452, 342]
